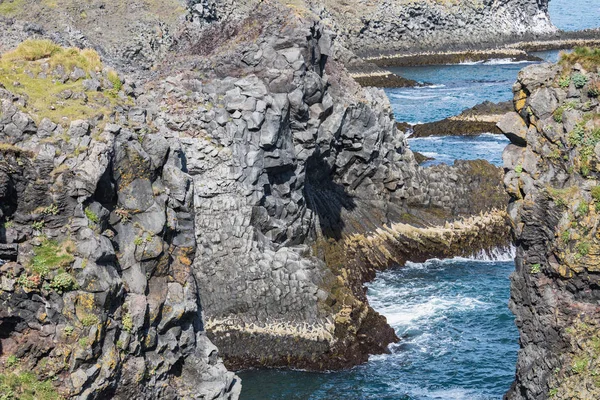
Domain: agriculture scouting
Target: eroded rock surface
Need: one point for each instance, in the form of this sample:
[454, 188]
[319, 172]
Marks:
[98, 293]
[552, 175]
[237, 192]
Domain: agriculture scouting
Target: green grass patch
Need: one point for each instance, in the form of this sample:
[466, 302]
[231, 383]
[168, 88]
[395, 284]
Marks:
[583, 248]
[558, 114]
[29, 70]
[92, 216]
[583, 208]
[26, 386]
[11, 7]
[51, 255]
[580, 365]
[589, 58]
[89, 320]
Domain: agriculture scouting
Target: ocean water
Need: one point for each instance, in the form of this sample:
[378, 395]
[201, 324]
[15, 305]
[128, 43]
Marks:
[444, 150]
[454, 88]
[458, 340]
[575, 15]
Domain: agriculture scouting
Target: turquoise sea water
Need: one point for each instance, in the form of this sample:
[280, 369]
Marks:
[575, 15]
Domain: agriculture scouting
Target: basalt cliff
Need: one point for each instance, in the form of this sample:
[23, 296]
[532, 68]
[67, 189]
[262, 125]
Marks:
[218, 177]
[552, 174]
[389, 27]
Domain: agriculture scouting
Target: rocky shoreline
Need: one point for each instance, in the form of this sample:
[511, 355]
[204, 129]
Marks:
[482, 118]
[232, 179]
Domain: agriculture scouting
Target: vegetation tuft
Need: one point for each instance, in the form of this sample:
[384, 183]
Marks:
[51, 255]
[26, 386]
[40, 70]
[589, 58]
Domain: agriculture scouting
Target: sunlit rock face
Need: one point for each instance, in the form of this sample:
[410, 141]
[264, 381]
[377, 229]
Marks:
[552, 177]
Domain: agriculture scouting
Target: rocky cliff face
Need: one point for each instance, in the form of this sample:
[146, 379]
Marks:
[552, 176]
[289, 158]
[247, 177]
[98, 240]
[380, 27]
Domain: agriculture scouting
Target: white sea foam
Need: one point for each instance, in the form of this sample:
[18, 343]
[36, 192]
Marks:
[403, 315]
[468, 63]
[447, 394]
[503, 61]
[497, 254]
[434, 86]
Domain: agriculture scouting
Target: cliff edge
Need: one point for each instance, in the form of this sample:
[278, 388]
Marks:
[552, 175]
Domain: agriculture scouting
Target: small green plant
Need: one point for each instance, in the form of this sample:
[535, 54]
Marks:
[83, 342]
[571, 105]
[579, 365]
[596, 196]
[576, 136]
[29, 281]
[564, 82]
[92, 216]
[8, 224]
[566, 236]
[90, 320]
[553, 392]
[127, 322]
[583, 208]
[116, 82]
[583, 248]
[579, 80]
[585, 170]
[63, 282]
[594, 91]
[536, 269]
[68, 330]
[12, 361]
[37, 225]
[52, 209]
[519, 169]
[138, 241]
[558, 114]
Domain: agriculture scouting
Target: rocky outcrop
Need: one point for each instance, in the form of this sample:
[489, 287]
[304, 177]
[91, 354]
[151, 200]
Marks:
[98, 295]
[391, 27]
[289, 157]
[474, 121]
[552, 176]
[237, 177]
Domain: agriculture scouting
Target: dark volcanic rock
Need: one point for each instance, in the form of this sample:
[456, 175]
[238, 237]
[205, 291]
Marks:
[477, 120]
[100, 298]
[553, 176]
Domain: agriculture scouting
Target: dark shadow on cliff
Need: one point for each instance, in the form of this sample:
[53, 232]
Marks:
[326, 198]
